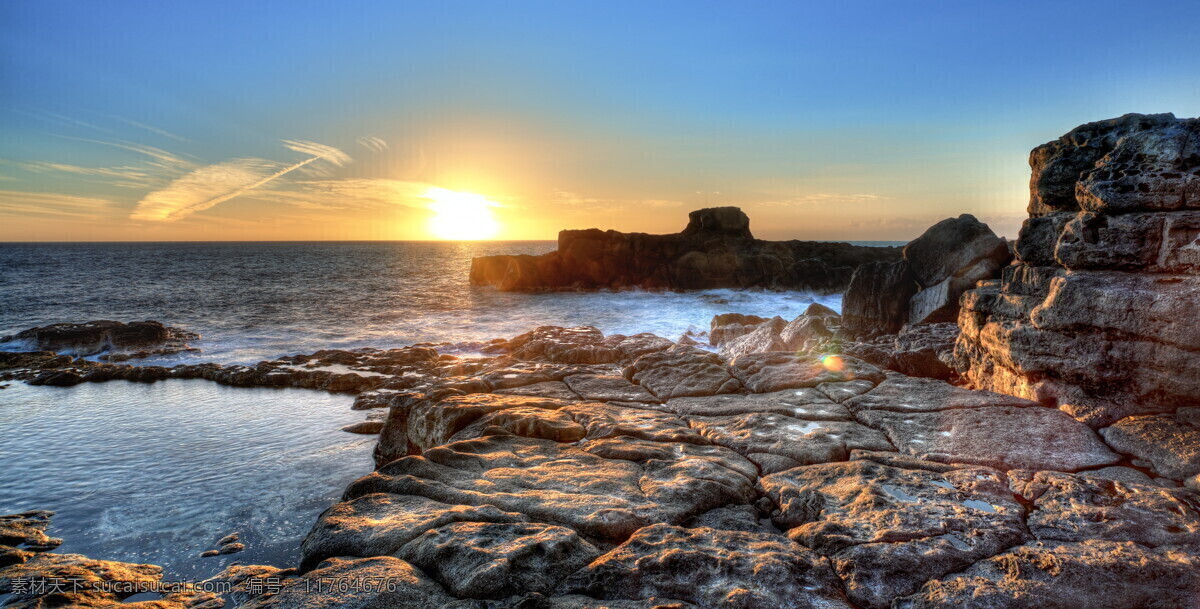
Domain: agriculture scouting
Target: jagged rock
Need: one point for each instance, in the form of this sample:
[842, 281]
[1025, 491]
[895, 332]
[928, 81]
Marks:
[1170, 445]
[765, 337]
[1074, 508]
[908, 394]
[379, 524]
[682, 371]
[1056, 575]
[1004, 437]
[383, 581]
[711, 568]
[604, 489]
[806, 403]
[728, 326]
[1111, 203]
[768, 372]
[607, 388]
[497, 560]
[716, 250]
[877, 299]
[888, 530]
[93, 337]
[789, 442]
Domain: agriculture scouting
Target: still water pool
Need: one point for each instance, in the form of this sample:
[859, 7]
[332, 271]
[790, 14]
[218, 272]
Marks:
[157, 473]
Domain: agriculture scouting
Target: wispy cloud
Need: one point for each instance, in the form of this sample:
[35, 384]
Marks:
[372, 143]
[821, 199]
[150, 128]
[212, 185]
[51, 204]
[576, 202]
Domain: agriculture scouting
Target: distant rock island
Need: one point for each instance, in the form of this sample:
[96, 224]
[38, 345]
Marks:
[716, 250]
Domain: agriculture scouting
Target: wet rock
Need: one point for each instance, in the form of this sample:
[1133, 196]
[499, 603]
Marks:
[888, 530]
[1168, 444]
[66, 568]
[380, 524]
[1075, 508]
[908, 394]
[93, 337]
[28, 529]
[682, 371]
[876, 302]
[1114, 575]
[364, 427]
[1004, 437]
[702, 565]
[797, 442]
[497, 560]
[608, 495]
[382, 581]
[769, 372]
[231, 548]
[605, 387]
[805, 403]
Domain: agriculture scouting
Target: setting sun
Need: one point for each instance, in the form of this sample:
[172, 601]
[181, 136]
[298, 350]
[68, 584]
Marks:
[461, 216]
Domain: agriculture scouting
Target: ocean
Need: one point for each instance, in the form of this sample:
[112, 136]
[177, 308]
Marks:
[255, 301]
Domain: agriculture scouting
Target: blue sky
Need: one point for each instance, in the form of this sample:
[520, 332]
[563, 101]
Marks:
[847, 120]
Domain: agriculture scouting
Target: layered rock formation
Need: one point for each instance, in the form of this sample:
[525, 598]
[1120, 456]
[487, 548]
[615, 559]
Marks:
[715, 250]
[1098, 314]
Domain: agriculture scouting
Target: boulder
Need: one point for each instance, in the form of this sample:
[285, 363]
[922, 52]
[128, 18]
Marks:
[764, 337]
[877, 298]
[806, 333]
[125, 340]
[951, 247]
[728, 326]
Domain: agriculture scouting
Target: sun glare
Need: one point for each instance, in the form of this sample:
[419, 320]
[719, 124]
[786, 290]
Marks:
[461, 216]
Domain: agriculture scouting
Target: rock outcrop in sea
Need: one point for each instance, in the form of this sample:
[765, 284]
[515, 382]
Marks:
[715, 250]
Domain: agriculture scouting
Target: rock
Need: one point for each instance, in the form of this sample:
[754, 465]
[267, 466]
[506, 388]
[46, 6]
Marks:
[434, 423]
[497, 560]
[1108, 574]
[876, 301]
[702, 565]
[817, 309]
[950, 247]
[768, 372]
[606, 387]
[765, 337]
[907, 394]
[379, 524]
[682, 371]
[1075, 508]
[743, 518]
[383, 581]
[524, 421]
[925, 350]
[1004, 437]
[728, 326]
[888, 530]
[805, 333]
[28, 529]
[1118, 473]
[716, 250]
[64, 569]
[809, 404]
[938, 303]
[797, 442]
[609, 421]
[364, 427]
[548, 389]
[604, 489]
[93, 337]
[582, 345]
[1171, 446]
[840, 391]
[209, 553]
[1095, 318]
[231, 548]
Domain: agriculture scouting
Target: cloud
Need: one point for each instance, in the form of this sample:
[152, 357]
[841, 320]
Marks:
[372, 143]
[125, 177]
[661, 203]
[822, 199]
[150, 128]
[51, 204]
[212, 185]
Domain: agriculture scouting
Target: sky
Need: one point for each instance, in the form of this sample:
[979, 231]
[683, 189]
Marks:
[156, 121]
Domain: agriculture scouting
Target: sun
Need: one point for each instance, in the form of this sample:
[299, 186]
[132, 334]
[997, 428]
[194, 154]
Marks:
[461, 216]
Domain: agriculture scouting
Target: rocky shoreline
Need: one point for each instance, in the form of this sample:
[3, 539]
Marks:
[1043, 450]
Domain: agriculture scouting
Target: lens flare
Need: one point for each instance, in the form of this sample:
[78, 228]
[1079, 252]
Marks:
[833, 363]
